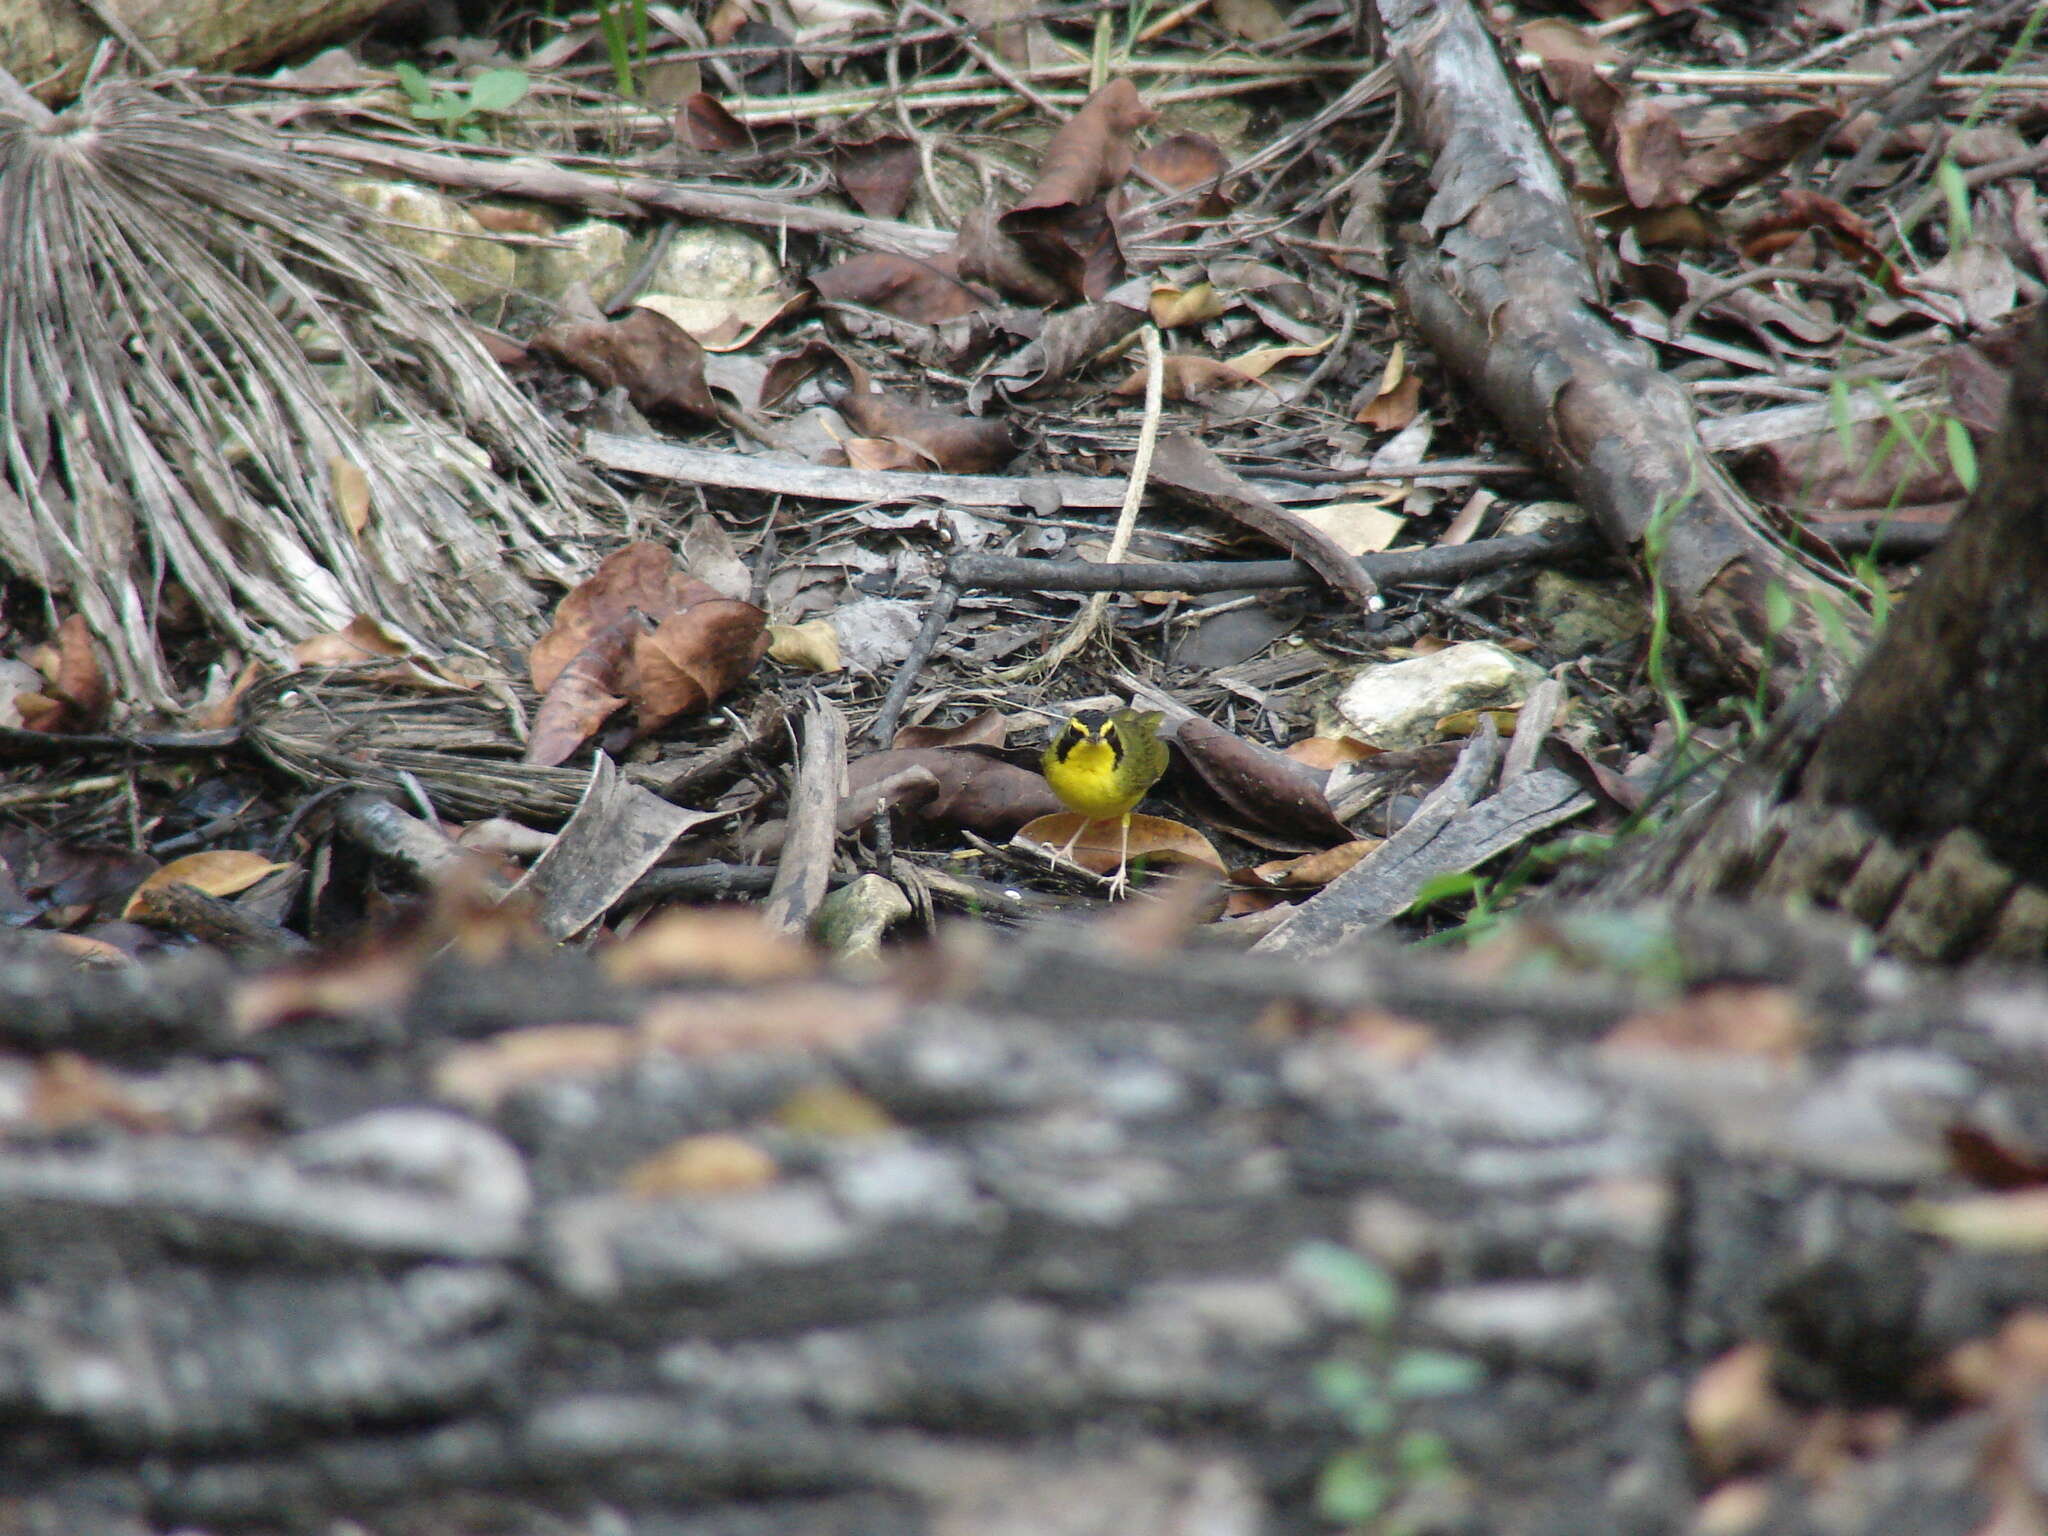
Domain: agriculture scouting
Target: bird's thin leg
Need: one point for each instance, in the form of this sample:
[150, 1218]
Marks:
[1067, 853]
[1122, 883]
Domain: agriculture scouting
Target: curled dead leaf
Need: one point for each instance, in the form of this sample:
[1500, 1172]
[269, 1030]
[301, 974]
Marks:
[812, 645]
[222, 872]
[975, 790]
[694, 658]
[961, 445]
[1101, 844]
[657, 362]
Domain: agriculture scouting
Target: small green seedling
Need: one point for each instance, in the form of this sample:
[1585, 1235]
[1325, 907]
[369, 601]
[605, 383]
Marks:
[493, 91]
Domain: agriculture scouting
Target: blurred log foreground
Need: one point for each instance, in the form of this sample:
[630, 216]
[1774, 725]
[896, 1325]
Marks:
[1036, 1238]
[1672, 1218]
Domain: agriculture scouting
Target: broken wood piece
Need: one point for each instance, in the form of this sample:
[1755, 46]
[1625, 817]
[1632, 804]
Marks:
[1452, 832]
[806, 865]
[793, 477]
[429, 858]
[618, 833]
[1186, 467]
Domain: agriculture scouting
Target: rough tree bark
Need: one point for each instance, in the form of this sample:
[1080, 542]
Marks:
[50, 43]
[1920, 807]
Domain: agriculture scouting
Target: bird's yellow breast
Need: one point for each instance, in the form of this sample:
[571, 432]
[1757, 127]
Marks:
[1088, 781]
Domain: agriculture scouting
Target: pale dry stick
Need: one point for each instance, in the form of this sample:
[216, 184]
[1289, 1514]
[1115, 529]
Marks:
[1126, 518]
[1796, 79]
[1927, 202]
[994, 65]
[1699, 303]
[919, 142]
[1863, 37]
[1173, 18]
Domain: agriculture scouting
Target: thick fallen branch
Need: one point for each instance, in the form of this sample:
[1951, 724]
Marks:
[1505, 292]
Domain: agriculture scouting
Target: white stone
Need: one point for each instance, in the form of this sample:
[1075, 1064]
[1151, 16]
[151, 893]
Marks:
[1397, 704]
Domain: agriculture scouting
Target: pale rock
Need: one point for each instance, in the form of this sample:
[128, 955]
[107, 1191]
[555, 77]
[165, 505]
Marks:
[1579, 618]
[593, 253]
[1398, 704]
[712, 261]
[458, 251]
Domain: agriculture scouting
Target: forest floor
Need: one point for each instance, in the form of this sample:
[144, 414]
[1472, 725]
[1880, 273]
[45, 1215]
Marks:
[420, 1118]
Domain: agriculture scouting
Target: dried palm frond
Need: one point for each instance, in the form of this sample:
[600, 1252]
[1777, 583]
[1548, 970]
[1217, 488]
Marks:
[160, 419]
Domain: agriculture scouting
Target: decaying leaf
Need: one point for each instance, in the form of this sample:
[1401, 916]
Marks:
[967, 788]
[878, 174]
[927, 289]
[703, 123]
[657, 362]
[1101, 844]
[695, 657]
[1271, 797]
[961, 445]
[221, 872]
[987, 729]
[73, 695]
[638, 630]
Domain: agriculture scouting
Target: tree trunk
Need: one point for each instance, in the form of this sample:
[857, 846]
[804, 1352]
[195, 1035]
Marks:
[1920, 807]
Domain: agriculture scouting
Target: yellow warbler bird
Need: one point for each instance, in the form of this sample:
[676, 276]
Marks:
[1101, 765]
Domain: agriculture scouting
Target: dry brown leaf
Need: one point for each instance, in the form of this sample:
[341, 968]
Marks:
[884, 453]
[222, 872]
[642, 576]
[1310, 870]
[1188, 376]
[1260, 361]
[812, 645]
[71, 665]
[987, 254]
[960, 445]
[1328, 752]
[694, 658]
[585, 693]
[1392, 409]
[657, 362]
[1271, 796]
[351, 492]
[1091, 152]
[975, 790]
[724, 324]
[1183, 161]
[1171, 306]
[927, 289]
[703, 123]
[220, 712]
[987, 729]
[1101, 844]
[1356, 527]
[878, 174]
